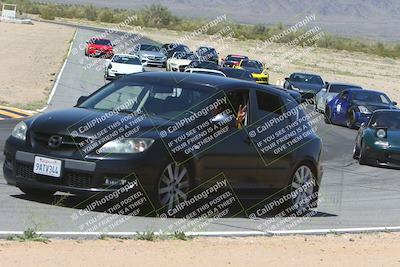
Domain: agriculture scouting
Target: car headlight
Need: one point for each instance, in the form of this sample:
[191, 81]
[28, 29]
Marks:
[19, 131]
[381, 133]
[364, 110]
[126, 145]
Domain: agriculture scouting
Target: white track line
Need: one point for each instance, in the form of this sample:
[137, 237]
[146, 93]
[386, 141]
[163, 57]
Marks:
[59, 74]
[220, 233]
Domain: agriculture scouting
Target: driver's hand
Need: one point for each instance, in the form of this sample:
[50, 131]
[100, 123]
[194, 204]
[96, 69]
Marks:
[241, 115]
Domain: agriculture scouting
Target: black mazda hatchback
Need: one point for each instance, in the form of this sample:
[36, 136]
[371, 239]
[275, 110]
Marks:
[172, 132]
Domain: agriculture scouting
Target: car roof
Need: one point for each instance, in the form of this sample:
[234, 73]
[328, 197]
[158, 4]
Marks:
[306, 73]
[204, 70]
[346, 84]
[363, 90]
[386, 110]
[217, 82]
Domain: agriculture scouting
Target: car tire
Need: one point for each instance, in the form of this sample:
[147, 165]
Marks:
[327, 116]
[303, 177]
[356, 151]
[362, 158]
[173, 185]
[36, 192]
[350, 121]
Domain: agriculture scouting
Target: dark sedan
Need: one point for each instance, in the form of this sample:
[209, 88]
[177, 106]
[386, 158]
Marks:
[308, 85]
[173, 132]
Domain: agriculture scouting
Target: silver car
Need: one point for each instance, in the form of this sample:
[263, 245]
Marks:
[330, 91]
[150, 55]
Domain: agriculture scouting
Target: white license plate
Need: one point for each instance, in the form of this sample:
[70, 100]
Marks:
[46, 166]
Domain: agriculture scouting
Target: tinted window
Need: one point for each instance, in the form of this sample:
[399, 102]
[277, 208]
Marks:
[235, 58]
[203, 65]
[127, 60]
[101, 42]
[268, 104]
[306, 78]
[151, 48]
[237, 74]
[337, 88]
[372, 97]
[390, 120]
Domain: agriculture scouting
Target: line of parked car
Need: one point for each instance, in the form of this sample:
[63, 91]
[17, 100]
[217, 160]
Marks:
[341, 103]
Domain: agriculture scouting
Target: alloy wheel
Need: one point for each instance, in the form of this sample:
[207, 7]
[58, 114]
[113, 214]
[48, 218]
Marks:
[173, 186]
[303, 187]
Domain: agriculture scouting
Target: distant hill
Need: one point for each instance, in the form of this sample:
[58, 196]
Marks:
[372, 19]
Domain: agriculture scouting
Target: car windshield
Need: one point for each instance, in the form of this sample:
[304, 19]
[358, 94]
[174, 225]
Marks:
[337, 88]
[207, 51]
[235, 58]
[154, 99]
[252, 64]
[151, 48]
[203, 65]
[127, 60]
[306, 78]
[101, 42]
[238, 74]
[390, 120]
[371, 97]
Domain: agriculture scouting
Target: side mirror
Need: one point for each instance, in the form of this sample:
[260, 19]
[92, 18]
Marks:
[81, 99]
[394, 103]
[287, 79]
[222, 120]
[323, 90]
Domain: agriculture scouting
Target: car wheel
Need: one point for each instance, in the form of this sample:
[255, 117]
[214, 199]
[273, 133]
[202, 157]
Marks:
[173, 185]
[356, 151]
[351, 119]
[36, 192]
[362, 158]
[327, 116]
[302, 189]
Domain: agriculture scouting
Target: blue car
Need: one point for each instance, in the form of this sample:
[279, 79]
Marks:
[354, 106]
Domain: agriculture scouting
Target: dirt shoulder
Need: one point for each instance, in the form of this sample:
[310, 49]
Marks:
[332, 250]
[30, 61]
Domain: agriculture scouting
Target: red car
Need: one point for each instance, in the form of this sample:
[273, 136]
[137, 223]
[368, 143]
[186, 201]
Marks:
[233, 60]
[99, 47]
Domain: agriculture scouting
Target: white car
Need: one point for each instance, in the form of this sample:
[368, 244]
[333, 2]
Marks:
[205, 71]
[330, 90]
[122, 64]
[179, 61]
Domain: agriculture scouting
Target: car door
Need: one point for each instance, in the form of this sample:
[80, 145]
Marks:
[340, 107]
[233, 153]
[269, 135]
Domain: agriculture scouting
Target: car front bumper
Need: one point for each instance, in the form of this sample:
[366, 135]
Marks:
[81, 177]
[389, 157]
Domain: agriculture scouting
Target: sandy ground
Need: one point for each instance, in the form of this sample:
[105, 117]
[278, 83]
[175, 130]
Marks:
[343, 250]
[31, 57]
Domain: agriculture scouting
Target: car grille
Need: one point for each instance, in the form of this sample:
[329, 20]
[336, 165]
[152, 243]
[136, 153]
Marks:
[72, 179]
[67, 143]
[79, 180]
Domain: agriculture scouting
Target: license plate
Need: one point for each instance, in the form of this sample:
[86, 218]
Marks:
[46, 166]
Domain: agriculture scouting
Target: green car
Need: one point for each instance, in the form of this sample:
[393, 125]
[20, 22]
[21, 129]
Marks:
[378, 141]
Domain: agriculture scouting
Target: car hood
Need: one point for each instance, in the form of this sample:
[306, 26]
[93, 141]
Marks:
[85, 125]
[126, 68]
[254, 70]
[307, 86]
[180, 61]
[151, 53]
[373, 106]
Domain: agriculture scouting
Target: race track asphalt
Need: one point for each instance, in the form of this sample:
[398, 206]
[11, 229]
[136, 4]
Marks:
[350, 196]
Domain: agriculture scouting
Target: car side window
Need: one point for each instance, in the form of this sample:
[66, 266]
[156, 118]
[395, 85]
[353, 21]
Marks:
[268, 105]
[344, 95]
